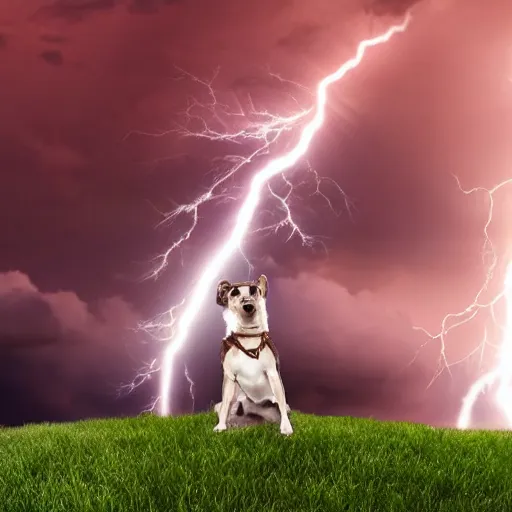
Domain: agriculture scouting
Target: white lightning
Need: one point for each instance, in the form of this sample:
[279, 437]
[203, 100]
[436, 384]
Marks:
[267, 128]
[501, 374]
[276, 166]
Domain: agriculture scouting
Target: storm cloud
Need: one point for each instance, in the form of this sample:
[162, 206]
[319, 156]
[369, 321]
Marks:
[62, 352]
[93, 160]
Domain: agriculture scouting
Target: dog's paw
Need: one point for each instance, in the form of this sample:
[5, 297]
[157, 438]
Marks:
[219, 427]
[286, 429]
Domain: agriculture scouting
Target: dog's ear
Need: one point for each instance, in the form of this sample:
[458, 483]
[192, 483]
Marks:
[262, 282]
[222, 292]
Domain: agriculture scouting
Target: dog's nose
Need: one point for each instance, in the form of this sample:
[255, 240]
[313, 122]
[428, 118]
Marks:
[248, 308]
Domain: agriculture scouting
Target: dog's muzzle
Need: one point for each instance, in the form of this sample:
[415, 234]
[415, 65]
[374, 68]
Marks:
[249, 308]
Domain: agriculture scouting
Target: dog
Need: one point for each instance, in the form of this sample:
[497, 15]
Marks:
[250, 362]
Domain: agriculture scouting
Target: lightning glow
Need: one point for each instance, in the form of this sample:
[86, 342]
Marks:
[264, 128]
[500, 375]
[269, 132]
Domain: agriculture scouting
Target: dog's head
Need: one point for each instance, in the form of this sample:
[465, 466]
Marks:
[243, 299]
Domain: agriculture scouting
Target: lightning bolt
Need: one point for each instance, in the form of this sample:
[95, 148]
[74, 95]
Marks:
[191, 388]
[268, 128]
[501, 374]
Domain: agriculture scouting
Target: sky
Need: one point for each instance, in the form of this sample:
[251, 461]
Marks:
[93, 96]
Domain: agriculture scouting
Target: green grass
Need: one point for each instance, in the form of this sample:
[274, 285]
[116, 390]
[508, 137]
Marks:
[179, 464]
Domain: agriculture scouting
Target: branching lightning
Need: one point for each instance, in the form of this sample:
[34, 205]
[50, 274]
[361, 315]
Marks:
[501, 374]
[191, 388]
[266, 130]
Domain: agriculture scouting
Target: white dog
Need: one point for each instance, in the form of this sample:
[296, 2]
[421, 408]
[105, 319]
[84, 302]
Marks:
[249, 358]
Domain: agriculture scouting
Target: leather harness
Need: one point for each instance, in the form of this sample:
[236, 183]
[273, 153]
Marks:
[254, 353]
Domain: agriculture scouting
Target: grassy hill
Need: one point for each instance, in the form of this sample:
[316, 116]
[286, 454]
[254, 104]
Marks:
[179, 464]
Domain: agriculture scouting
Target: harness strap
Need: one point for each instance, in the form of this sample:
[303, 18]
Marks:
[254, 353]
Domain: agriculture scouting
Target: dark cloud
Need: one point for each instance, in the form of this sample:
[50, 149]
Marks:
[25, 316]
[389, 7]
[53, 38]
[144, 6]
[72, 10]
[27, 311]
[352, 353]
[78, 10]
[301, 38]
[53, 57]
[78, 341]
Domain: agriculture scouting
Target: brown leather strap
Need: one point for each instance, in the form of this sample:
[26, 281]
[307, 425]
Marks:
[232, 341]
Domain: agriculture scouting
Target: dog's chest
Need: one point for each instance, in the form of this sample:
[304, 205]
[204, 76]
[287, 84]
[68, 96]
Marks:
[248, 371]
[245, 366]
[251, 374]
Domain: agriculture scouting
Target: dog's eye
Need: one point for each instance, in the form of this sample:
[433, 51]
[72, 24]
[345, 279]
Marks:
[253, 290]
[235, 292]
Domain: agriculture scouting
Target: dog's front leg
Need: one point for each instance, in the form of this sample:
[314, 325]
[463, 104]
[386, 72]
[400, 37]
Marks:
[277, 387]
[228, 391]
